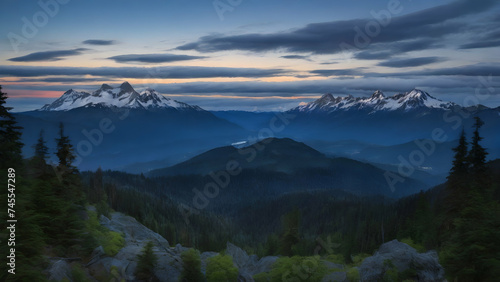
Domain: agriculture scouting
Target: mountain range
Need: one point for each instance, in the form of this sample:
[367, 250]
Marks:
[410, 101]
[123, 96]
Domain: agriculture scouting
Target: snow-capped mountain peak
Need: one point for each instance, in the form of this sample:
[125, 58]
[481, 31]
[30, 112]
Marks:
[378, 95]
[126, 87]
[105, 87]
[413, 100]
[122, 96]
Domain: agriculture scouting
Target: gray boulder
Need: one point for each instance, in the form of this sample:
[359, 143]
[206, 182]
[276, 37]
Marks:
[335, 276]
[179, 249]
[59, 270]
[247, 265]
[133, 230]
[403, 257]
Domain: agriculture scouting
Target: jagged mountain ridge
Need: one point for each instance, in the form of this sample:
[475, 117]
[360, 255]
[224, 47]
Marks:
[409, 101]
[123, 96]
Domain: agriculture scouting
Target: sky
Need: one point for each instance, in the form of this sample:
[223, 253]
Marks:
[251, 54]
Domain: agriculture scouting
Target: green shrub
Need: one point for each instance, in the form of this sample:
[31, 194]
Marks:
[110, 241]
[353, 274]
[301, 268]
[262, 277]
[78, 274]
[191, 266]
[391, 272]
[336, 258]
[220, 268]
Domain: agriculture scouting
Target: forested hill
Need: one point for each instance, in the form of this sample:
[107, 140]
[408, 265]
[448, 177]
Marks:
[274, 166]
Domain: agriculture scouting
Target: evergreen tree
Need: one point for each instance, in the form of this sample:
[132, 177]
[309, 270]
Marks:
[67, 228]
[457, 186]
[460, 160]
[10, 136]
[41, 149]
[290, 235]
[146, 262]
[191, 266]
[38, 166]
[477, 158]
[477, 154]
[65, 152]
[423, 223]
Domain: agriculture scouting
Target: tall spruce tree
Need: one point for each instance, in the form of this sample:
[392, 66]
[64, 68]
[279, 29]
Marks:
[65, 152]
[477, 159]
[458, 181]
[10, 136]
[290, 236]
[146, 263]
[41, 149]
[67, 230]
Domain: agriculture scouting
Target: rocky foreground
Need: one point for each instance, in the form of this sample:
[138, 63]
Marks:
[122, 266]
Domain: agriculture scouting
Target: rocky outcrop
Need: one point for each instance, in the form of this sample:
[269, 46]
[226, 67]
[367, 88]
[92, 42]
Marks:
[59, 270]
[124, 262]
[402, 257]
[122, 265]
[335, 276]
[248, 265]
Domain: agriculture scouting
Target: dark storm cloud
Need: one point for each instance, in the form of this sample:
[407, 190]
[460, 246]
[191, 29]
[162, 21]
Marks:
[412, 62]
[48, 55]
[328, 37]
[153, 58]
[99, 42]
[180, 72]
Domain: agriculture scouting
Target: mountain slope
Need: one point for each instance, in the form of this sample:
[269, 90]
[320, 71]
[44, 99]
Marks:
[275, 166]
[273, 154]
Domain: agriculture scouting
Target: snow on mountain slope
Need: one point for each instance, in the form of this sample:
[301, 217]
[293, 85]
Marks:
[413, 100]
[122, 96]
